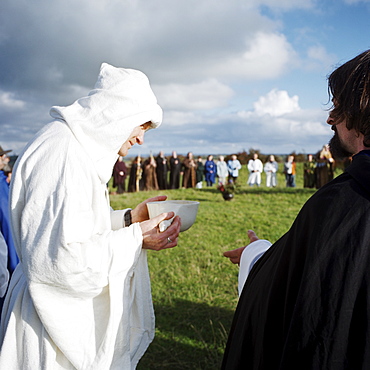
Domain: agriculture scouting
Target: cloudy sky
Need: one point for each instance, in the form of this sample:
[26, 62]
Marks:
[230, 75]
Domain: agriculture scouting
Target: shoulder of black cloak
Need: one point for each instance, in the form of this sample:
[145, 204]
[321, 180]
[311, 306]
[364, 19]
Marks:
[307, 296]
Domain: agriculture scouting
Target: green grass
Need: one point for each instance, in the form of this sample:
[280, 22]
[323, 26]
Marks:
[194, 287]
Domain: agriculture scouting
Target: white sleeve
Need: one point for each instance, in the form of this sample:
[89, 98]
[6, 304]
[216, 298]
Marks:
[250, 165]
[260, 166]
[4, 273]
[117, 218]
[249, 257]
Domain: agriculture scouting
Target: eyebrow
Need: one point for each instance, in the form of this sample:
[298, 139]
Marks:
[146, 125]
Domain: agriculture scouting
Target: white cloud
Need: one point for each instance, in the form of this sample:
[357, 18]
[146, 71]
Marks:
[300, 131]
[178, 118]
[276, 103]
[8, 101]
[204, 95]
[318, 56]
[268, 55]
[275, 125]
[278, 124]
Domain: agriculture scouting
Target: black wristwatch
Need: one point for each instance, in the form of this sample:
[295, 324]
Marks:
[127, 218]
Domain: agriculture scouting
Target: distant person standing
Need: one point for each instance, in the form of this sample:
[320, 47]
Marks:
[255, 168]
[309, 172]
[189, 167]
[324, 167]
[10, 257]
[4, 212]
[175, 171]
[210, 170]
[136, 176]
[290, 171]
[199, 173]
[162, 170]
[119, 175]
[222, 170]
[233, 166]
[271, 169]
[150, 174]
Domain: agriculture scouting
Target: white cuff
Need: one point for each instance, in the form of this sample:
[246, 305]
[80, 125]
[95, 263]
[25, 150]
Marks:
[249, 257]
[117, 218]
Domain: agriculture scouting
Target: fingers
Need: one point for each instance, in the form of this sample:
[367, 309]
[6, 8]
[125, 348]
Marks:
[173, 230]
[235, 261]
[168, 215]
[234, 255]
[156, 199]
[156, 240]
[230, 254]
[252, 236]
[168, 242]
[140, 212]
[155, 221]
[170, 236]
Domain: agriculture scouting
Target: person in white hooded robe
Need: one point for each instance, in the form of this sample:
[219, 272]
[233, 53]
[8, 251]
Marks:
[80, 297]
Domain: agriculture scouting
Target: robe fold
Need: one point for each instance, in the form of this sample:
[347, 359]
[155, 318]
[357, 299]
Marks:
[80, 297]
[306, 301]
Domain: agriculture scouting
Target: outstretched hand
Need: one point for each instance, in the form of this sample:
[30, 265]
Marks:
[140, 212]
[156, 240]
[235, 254]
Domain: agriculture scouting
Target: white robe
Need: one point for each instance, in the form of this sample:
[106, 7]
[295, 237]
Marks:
[80, 297]
[222, 171]
[271, 169]
[255, 168]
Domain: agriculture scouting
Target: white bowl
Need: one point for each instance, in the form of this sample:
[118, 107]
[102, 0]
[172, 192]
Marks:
[186, 209]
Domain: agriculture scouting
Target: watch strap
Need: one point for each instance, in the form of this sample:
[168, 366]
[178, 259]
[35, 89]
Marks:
[127, 218]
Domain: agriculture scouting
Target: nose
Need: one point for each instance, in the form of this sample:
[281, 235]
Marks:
[330, 120]
[140, 138]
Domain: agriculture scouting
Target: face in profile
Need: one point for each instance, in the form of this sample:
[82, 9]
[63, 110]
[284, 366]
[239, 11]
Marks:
[136, 137]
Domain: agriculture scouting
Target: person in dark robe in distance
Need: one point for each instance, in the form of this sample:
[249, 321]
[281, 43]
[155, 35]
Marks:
[324, 167]
[175, 170]
[199, 173]
[136, 182]
[305, 303]
[119, 175]
[162, 171]
[189, 168]
[309, 172]
[150, 174]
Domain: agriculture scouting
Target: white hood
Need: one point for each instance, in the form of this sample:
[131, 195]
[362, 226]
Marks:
[121, 100]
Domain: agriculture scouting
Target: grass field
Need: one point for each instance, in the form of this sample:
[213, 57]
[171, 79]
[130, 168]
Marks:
[194, 287]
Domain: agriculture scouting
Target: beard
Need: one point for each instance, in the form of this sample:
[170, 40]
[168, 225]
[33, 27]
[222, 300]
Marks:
[337, 149]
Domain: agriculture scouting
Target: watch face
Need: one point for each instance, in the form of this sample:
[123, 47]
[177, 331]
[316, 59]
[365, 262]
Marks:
[127, 218]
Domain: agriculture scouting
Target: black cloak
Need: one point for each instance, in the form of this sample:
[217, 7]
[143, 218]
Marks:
[306, 302]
